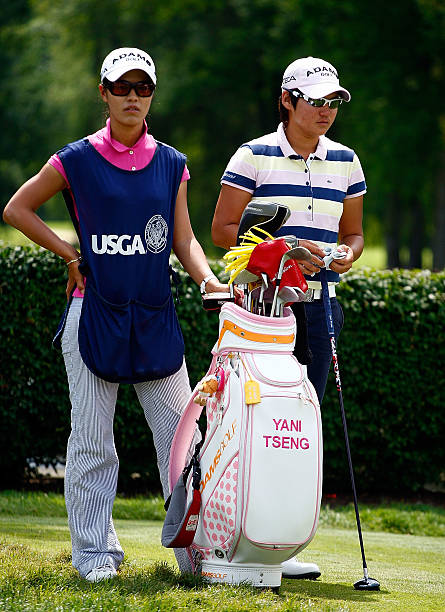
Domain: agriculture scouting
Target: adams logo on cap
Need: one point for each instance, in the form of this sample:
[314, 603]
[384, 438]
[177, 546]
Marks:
[131, 56]
[322, 69]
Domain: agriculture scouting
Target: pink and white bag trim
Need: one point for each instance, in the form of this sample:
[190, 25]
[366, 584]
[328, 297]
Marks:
[261, 458]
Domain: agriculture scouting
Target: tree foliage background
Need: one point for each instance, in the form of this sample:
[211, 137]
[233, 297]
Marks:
[219, 67]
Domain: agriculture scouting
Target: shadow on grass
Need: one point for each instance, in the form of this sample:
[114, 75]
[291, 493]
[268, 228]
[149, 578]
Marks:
[329, 590]
[162, 577]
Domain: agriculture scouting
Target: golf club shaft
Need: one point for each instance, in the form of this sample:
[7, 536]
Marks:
[331, 332]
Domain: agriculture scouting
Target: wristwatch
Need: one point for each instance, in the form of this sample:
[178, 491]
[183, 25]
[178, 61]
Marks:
[202, 286]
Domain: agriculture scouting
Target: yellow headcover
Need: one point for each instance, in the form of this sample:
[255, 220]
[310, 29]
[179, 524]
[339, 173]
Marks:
[239, 255]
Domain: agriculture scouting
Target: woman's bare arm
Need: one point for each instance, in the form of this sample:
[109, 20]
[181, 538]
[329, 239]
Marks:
[20, 212]
[187, 248]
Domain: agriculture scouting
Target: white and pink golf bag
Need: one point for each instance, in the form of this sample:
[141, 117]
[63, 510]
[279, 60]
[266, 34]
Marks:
[261, 457]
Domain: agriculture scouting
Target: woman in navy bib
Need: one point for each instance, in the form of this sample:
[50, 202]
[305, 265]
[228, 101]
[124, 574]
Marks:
[127, 197]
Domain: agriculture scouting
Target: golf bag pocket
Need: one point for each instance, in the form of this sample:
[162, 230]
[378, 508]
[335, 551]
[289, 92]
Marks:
[284, 435]
[131, 342]
[182, 516]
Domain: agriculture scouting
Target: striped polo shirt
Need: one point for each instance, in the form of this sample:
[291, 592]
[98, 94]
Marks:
[314, 190]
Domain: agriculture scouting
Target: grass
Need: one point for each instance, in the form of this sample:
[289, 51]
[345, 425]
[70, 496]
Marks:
[404, 552]
[392, 517]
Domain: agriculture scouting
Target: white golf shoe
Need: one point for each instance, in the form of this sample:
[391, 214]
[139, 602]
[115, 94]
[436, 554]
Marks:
[103, 572]
[299, 570]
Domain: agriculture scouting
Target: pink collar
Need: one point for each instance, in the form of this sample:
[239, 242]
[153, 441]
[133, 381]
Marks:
[144, 140]
[107, 145]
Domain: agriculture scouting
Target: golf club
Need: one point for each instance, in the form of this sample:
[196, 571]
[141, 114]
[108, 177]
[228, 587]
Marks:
[286, 296]
[264, 286]
[366, 583]
[300, 253]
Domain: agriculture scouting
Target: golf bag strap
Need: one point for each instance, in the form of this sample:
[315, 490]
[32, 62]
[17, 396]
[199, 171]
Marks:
[196, 474]
[184, 434]
[253, 336]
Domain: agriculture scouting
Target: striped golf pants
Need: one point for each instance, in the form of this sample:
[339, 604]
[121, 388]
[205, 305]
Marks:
[92, 463]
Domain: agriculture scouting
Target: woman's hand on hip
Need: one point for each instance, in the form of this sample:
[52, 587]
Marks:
[75, 279]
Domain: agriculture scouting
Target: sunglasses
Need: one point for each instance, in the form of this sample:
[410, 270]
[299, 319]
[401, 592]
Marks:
[143, 89]
[317, 102]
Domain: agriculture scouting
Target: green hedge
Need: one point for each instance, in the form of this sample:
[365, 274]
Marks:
[391, 353]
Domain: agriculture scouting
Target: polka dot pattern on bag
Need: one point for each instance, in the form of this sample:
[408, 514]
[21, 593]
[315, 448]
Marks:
[220, 511]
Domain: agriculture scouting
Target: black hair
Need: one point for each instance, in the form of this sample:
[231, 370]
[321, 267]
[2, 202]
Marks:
[284, 113]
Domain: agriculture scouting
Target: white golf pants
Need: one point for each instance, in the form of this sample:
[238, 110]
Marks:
[92, 463]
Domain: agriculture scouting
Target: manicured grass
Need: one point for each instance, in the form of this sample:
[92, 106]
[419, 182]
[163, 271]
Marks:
[391, 517]
[25, 503]
[36, 572]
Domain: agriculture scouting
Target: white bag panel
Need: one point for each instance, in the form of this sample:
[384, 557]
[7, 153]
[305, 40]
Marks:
[284, 472]
[277, 370]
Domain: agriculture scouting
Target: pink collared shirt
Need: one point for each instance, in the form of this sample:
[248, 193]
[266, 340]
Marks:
[118, 154]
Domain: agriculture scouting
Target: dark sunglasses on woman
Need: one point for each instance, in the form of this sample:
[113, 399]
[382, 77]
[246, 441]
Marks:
[143, 89]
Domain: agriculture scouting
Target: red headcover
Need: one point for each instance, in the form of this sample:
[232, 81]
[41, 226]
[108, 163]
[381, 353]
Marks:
[266, 257]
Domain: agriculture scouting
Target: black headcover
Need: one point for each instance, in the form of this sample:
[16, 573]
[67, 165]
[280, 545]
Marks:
[270, 216]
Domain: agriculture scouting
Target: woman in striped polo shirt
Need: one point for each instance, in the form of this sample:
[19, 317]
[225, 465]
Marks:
[127, 196]
[322, 183]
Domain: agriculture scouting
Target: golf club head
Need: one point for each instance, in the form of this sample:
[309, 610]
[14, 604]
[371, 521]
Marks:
[367, 584]
[245, 277]
[300, 253]
[290, 295]
[270, 216]
[292, 241]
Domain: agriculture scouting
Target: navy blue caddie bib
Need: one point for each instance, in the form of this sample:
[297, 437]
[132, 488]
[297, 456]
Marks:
[128, 329]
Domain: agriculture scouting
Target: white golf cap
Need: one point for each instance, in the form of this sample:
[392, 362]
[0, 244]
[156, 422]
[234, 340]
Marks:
[120, 61]
[314, 77]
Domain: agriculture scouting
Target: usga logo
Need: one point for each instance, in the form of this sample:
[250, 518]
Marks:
[155, 235]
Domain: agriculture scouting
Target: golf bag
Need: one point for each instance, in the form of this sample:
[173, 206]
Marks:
[250, 497]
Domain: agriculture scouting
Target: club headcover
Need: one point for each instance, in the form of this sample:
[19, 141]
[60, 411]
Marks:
[293, 276]
[266, 257]
[270, 216]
